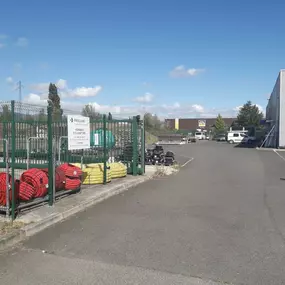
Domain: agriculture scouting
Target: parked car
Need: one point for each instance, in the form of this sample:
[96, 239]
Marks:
[200, 136]
[192, 140]
[221, 138]
[240, 138]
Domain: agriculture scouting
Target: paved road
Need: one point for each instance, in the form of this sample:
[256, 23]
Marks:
[220, 220]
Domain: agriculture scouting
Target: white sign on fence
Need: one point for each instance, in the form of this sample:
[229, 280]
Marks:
[96, 139]
[78, 128]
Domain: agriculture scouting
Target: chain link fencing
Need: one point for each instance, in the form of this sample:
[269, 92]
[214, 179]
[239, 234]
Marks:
[36, 137]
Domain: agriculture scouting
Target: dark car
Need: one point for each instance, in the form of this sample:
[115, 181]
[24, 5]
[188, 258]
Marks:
[221, 138]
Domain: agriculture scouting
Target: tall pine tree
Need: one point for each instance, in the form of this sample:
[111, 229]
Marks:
[220, 125]
[55, 99]
[249, 115]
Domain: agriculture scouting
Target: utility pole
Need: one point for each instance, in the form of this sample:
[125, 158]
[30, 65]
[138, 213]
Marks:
[19, 87]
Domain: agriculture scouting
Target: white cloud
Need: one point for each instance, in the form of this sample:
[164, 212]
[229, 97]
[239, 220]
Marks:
[61, 84]
[181, 72]
[64, 91]
[236, 109]
[106, 108]
[146, 98]
[9, 80]
[176, 105]
[39, 94]
[175, 110]
[35, 99]
[40, 87]
[198, 108]
[22, 42]
[261, 109]
[83, 92]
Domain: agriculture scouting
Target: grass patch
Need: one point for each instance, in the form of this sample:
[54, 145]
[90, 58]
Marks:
[176, 166]
[159, 171]
[150, 138]
[7, 227]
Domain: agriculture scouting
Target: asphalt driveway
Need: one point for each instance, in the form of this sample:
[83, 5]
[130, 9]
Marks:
[220, 220]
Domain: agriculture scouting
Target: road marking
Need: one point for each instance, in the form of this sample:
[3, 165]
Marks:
[184, 156]
[189, 160]
[274, 150]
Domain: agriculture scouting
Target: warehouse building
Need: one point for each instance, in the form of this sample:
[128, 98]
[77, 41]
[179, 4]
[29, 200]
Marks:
[275, 114]
[193, 124]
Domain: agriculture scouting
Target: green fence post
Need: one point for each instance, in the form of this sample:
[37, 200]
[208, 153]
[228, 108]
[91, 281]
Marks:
[142, 147]
[13, 138]
[105, 148]
[50, 156]
[135, 145]
[5, 136]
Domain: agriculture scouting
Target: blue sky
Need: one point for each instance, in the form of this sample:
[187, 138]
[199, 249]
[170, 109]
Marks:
[174, 58]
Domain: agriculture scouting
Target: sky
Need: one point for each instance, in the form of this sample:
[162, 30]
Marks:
[182, 58]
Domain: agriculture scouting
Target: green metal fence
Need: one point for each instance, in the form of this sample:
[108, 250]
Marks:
[36, 137]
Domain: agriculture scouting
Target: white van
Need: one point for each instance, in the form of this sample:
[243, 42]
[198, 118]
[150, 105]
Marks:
[200, 136]
[239, 137]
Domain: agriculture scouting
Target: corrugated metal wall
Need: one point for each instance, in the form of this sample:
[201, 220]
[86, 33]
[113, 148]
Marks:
[275, 113]
[282, 110]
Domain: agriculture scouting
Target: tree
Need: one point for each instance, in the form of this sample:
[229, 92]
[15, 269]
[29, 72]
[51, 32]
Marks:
[89, 111]
[152, 122]
[42, 116]
[249, 115]
[110, 117]
[219, 125]
[55, 99]
[6, 114]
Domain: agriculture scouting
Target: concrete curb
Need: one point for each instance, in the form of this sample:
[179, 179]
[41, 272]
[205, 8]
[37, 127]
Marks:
[10, 239]
[33, 228]
[270, 149]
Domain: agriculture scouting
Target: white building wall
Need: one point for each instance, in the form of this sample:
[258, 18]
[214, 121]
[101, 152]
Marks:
[272, 115]
[282, 110]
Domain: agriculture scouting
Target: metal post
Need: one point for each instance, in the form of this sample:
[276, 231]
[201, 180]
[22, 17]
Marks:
[268, 135]
[59, 148]
[53, 170]
[4, 136]
[28, 152]
[6, 160]
[28, 141]
[50, 156]
[105, 148]
[135, 146]
[13, 136]
[142, 148]
[82, 158]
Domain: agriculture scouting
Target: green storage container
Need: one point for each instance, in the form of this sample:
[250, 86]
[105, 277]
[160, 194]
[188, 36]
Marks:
[97, 138]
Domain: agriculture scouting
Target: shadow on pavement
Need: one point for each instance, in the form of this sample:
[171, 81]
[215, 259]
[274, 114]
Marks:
[249, 145]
